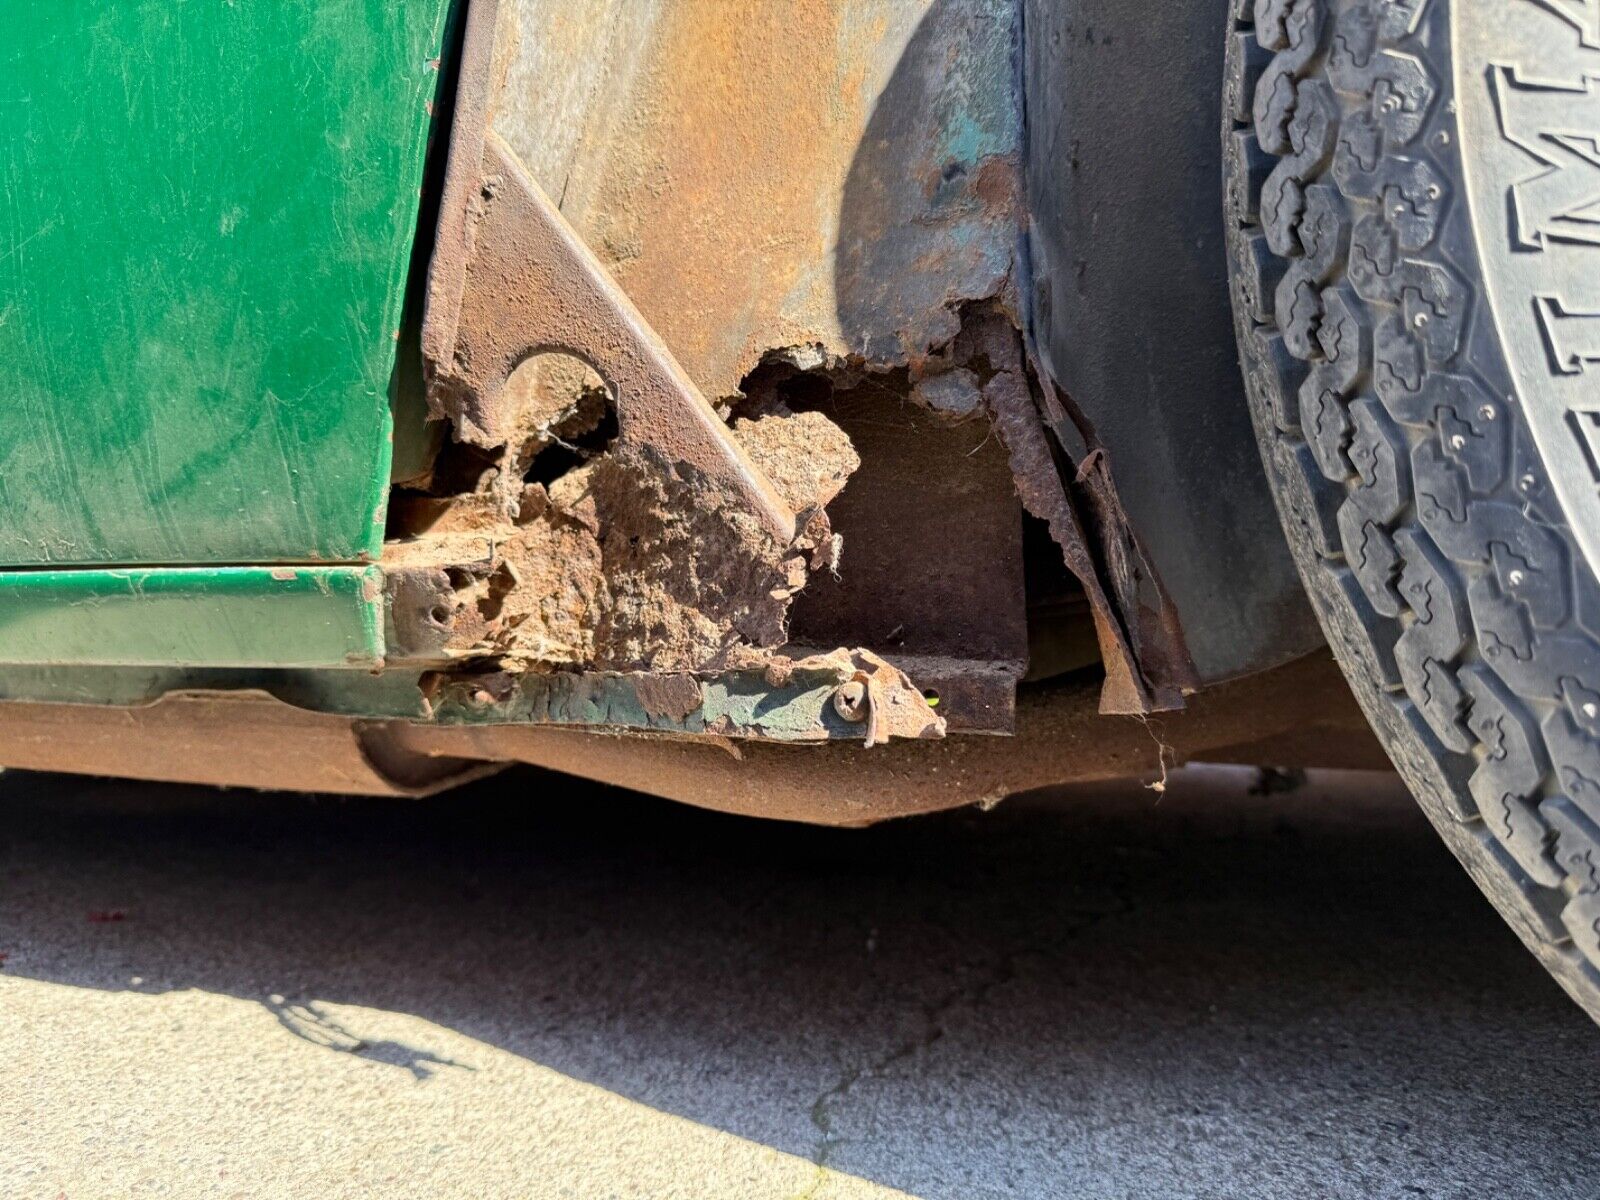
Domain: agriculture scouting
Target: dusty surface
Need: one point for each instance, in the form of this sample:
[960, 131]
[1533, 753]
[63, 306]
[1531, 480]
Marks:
[1210, 995]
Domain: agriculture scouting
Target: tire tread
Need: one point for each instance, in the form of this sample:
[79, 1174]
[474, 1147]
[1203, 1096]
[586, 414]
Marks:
[1451, 601]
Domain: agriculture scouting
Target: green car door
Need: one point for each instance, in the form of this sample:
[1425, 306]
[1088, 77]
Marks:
[206, 227]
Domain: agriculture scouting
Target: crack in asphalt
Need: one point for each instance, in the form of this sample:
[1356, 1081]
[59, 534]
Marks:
[972, 995]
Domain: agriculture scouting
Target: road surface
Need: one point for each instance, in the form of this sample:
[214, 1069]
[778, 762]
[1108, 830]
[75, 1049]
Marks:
[539, 988]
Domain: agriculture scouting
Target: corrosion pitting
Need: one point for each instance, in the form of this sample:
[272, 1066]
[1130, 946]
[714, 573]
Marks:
[610, 523]
[629, 561]
[1148, 613]
[1141, 646]
[832, 173]
[692, 579]
[656, 543]
[785, 699]
[984, 372]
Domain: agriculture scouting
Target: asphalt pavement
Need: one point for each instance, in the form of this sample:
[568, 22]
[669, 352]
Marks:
[538, 988]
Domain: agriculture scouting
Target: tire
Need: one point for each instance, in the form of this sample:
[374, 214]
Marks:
[1414, 248]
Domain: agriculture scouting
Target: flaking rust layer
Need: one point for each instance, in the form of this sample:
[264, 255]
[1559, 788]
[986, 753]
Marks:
[674, 543]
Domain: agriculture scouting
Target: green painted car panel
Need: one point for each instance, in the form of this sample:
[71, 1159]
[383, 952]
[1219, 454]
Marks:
[196, 616]
[206, 222]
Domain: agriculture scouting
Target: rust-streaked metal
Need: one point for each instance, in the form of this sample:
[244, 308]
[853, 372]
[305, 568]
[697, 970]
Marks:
[510, 278]
[227, 739]
[835, 176]
[1300, 714]
[916, 189]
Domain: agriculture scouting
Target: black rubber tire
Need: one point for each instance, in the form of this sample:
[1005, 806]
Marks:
[1392, 422]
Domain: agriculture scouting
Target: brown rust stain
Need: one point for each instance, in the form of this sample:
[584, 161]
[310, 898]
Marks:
[717, 205]
[1039, 484]
[671, 696]
[691, 578]
[1147, 611]
[834, 173]
[1301, 713]
[707, 207]
[667, 549]
[628, 561]
[1141, 646]
[895, 708]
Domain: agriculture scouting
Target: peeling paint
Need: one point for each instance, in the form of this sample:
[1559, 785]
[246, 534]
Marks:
[675, 543]
[785, 700]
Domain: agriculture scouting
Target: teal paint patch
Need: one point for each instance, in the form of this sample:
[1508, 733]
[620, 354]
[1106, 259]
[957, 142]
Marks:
[966, 141]
[931, 213]
[741, 704]
[738, 704]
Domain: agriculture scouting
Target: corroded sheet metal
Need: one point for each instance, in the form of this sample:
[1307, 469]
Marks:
[831, 190]
[623, 563]
[1297, 715]
[1129, 289]
[518, 281]
[227, 739]
[931, 568]
[1301, 714]
[837, 184]
[789, 700]
[669, 549]
[510, 278]
[833, 174]
[786, 699]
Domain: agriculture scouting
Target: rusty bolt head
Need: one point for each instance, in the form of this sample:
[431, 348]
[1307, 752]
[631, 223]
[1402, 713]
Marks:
[850, 701]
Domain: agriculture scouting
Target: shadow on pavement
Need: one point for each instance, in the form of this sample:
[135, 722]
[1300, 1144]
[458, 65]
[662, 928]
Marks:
[1103, 989]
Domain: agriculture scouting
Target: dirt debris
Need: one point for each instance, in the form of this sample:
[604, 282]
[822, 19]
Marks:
[619, 559]
[611, 556]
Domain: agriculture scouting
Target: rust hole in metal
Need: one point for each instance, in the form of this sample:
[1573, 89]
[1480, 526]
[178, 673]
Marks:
[564, 418]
